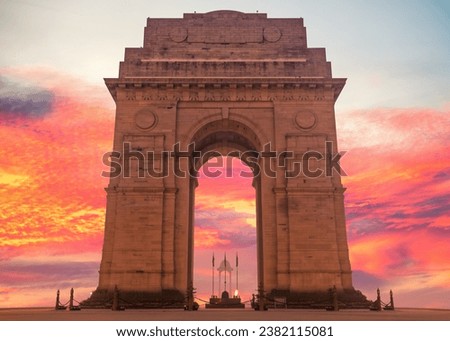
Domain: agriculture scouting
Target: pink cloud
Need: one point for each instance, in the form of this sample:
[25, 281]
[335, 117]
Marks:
[52, 201]
[52, 167]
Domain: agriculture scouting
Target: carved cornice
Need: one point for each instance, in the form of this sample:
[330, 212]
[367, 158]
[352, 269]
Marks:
[134, 190]
[226, 89]
[310, 190]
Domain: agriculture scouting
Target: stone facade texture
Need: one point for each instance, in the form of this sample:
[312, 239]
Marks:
[225, 81]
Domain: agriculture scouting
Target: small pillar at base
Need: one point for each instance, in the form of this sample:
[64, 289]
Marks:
[71, 300]
[71, 305]
[58, 305]
[376, 306]
[392, 299]
[390, 306]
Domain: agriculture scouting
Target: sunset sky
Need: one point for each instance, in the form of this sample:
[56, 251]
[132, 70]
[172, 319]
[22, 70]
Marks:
[57, 118]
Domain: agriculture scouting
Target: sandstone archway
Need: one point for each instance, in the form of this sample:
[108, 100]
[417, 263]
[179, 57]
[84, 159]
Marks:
[221, 81]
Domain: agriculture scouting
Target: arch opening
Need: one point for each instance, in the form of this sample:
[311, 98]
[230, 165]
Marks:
[225, 228]
[237, 145]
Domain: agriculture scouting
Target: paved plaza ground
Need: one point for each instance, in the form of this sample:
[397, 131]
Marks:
[48, 314]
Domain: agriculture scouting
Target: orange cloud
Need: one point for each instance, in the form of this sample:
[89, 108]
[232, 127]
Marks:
[51, 193]
[52, 201]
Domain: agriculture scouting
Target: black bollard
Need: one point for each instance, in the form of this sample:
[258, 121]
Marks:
[378, 302]
[57, 304]
[392, 299]
[71, 300]
[376, 306]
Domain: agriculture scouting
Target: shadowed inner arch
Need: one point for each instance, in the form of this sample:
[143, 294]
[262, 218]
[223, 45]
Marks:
[227, 138]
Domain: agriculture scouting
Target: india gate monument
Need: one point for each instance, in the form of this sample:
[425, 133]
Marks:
[225, 83]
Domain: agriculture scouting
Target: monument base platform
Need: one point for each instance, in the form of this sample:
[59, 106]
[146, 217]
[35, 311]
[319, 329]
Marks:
[347, 299]
[167, 299]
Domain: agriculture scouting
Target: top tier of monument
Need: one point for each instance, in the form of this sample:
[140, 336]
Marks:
[225, 44]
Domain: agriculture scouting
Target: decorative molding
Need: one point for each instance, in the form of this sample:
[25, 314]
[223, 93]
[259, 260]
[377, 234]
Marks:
[305, 120]
[272, 34]
[145, 119]
[226, 94]
[178, 34]
[226, 89]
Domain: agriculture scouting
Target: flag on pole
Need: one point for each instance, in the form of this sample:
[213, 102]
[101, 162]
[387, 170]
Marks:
[213, 259]
[237, 260]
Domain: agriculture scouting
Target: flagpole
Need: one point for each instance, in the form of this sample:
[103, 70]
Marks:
[212, 271]
[225, 262]
[237, 273]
